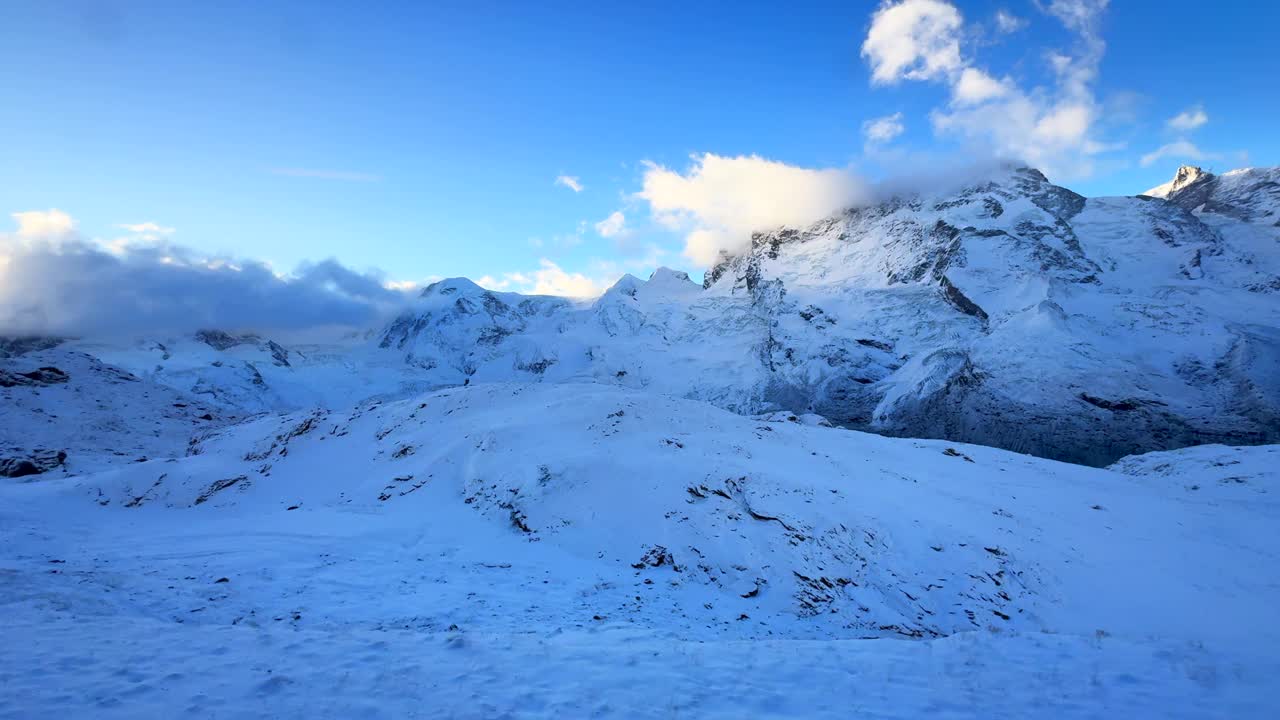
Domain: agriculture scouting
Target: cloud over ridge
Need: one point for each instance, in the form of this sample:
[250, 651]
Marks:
[55, 281]
[719, 201]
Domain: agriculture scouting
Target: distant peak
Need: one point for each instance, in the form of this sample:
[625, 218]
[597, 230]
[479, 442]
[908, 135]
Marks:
[449, 286]
[666, 274]
[1186, 175]
[1032, 173]
[626, 285]
[221, 340]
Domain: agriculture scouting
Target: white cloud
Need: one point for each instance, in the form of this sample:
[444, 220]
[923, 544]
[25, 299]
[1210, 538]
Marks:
[147, 228]
[322, 174]
[1188, 119]
[410, 286]
[1051, 127]
[55, 281]
[1007, 22]
[570, 182]
[1182, 149]
[1077, 14]
[883, 129]
[489, 282]
[549, 279]
[913, 40]
[720, 201]
[975, 86]
[146, 232]
[613, 226]
[44, 224]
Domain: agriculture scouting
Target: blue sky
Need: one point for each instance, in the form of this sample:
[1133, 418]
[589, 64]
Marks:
[425, 139]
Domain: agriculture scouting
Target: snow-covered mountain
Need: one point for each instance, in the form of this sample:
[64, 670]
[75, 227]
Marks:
[1249, 194]
[1011, 312]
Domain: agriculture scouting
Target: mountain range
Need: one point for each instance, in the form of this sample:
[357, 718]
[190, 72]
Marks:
[1009, 312]
[495, 496]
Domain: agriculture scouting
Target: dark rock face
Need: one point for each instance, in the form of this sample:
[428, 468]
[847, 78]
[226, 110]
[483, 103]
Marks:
[959, 301]
[44, 376]
[35, 462]
[279, 355]
[15, 346]
[717, 270]
[219, 340]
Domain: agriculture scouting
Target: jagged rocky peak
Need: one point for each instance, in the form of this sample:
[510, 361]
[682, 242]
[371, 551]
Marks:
[1186, 176]
[1251, 195]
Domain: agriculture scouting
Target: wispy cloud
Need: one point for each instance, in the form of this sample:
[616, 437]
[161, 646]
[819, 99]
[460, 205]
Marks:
[322, 174]
[146, 228]
[1051, 126]
[612, 226]
[410, 286]
[549, 279]
[1007, 22]
[570, 182]
[883, 129]
[1189, 119]
[1182, 149]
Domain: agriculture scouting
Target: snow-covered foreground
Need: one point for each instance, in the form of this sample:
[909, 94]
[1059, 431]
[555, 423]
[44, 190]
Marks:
[131, 667]
[581, 550]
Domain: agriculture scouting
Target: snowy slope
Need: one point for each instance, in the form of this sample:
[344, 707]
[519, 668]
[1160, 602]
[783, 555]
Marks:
[248, 374]
[550, 549]
[68, 412]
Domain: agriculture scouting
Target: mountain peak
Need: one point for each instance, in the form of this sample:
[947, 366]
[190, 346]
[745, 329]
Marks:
[666, 274]
[1186, 176]
[449, 286]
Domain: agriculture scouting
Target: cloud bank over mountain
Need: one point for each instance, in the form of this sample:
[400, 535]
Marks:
[719, 201]
[54, 280]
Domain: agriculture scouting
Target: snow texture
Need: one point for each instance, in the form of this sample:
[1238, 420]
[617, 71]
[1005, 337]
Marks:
[542, 550]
